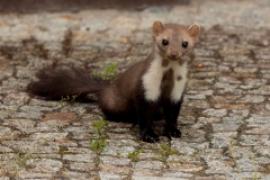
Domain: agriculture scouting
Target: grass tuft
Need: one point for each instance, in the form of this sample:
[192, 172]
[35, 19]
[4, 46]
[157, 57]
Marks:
[134, 155]
[108, 72]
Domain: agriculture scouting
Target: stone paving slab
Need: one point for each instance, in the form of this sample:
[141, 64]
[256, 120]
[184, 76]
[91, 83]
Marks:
[224, 120]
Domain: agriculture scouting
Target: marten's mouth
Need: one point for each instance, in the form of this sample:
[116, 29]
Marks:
[173, 58]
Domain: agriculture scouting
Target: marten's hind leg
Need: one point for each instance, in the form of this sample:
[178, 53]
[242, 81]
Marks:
[115, 107]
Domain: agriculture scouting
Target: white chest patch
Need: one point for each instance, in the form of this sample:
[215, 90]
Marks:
[153, 77]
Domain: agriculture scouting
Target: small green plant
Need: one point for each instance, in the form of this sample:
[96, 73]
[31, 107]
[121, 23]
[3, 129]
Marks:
[63, 150]
[70, 99]
[100, 126]
[134, 155]
[165, 150]
[108, 72]
[22, 158]
[14, 166]
[118, 154]
[256, 176]
[99, 143]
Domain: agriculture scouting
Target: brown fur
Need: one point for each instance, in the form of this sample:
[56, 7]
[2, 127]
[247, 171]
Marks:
[167, 83]
[120, 95]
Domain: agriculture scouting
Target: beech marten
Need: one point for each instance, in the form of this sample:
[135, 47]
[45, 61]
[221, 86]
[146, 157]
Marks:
[148, 90]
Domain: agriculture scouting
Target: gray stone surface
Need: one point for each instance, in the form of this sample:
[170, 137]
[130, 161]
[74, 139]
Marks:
[225, 116]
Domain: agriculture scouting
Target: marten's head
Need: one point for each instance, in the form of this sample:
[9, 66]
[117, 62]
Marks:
[173, 40]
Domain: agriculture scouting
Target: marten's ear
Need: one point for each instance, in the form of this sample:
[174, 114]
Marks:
[194, 31]
[158, 27]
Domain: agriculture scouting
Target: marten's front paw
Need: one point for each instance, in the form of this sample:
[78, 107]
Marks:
[176, 133]
[149, 136]
[172, 132]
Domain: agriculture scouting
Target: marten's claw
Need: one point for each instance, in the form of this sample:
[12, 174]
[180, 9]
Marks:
[150, 137]
[173, 132]
[176, 133]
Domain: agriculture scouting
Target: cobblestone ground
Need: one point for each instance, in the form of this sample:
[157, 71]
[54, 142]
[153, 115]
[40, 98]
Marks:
[224, 120]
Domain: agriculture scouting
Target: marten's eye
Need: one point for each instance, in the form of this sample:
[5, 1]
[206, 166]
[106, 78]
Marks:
[184, 44]
[165, 42]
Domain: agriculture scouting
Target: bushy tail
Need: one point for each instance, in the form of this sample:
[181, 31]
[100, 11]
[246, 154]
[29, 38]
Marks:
[55, 83]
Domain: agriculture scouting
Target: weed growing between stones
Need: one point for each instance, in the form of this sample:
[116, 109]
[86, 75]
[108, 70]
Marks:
[256, 176]
[36, 48]
[99, 143]
[134, 155]
[230, 149]
[165, 150]
[108, 72]
[70, 99]
[22, 158]
[14, 166]
[63, 150]
[100, 126]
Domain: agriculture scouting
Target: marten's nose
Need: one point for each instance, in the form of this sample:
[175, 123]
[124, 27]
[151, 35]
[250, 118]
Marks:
[173, 56]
